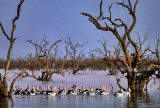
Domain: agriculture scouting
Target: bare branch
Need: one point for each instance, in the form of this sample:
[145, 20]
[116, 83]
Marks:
[16, 18]
[134, 10]
[126, 6]
[52, 46]
[117, 60]
[104, 51]
[130, 6]
[75, 59]
[111, 86]
[118, 82]
[110, 18]
[101, 13]
[4, 32]
[35, 46]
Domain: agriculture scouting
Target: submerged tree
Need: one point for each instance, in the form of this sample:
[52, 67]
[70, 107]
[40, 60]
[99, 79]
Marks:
[74, 56]
[11, 39]
[106, 53]
[131, 59]
[45, 57]
[157, 54]
[42, 56]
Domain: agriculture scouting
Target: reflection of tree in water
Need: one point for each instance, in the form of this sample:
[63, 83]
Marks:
[4, 102]
[138, 97]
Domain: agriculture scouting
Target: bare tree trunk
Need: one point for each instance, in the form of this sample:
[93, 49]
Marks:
[3, 87]
[42, 76]
[74, 71]
[50, 77]
[112, 71]
[11, 39]
[138, 82]
[8, 58]
[46, 77]
[133, 81]
[4, 81]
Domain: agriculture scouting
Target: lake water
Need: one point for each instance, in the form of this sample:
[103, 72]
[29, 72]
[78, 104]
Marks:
[94, 79]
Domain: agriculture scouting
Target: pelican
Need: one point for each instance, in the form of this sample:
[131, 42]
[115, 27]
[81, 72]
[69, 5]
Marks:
[119, 93]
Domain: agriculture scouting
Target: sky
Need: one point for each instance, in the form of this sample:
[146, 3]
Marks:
[61, 18]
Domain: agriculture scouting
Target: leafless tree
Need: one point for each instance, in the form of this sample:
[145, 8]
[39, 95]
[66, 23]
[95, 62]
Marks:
[41, 55]
[11, 39]
[104, 52]
[157, 54]
[130, 60]
[75, 56]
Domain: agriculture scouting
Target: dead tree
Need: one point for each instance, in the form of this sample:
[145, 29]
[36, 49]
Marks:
[11, 39]
[105, 53]
[130, 61]
[21, 74]
[43, 54]
[46, 73]
[157, 54]
[75, 57]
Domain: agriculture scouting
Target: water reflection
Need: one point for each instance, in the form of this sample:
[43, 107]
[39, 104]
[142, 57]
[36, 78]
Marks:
[142, 99]
[11, 102]
[3, 102]
[138, 99]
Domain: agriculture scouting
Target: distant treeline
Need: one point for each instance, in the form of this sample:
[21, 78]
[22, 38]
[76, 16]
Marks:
[92, 64]
[97, 64]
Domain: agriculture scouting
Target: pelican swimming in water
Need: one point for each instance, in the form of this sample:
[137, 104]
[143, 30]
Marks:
[119, 93]
[127, 92]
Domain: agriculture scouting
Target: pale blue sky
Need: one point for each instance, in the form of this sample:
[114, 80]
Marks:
[61, 18]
